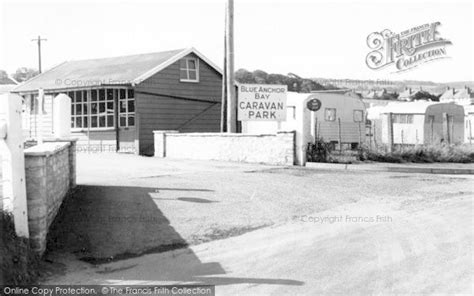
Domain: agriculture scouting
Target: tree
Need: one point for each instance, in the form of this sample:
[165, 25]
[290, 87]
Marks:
[23, 74]
[244, 76]
[260, 76]
[309, 85]
[3, 74]
[424, 95]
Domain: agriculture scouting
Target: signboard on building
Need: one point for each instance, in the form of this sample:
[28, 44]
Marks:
[262, 102]
[313, 104]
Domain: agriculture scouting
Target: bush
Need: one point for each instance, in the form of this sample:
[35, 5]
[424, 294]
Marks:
[19, 263]
[421, 154]
[320, 151]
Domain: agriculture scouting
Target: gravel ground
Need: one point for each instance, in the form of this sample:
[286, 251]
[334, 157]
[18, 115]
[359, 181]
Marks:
[130, 204]
[326, 232]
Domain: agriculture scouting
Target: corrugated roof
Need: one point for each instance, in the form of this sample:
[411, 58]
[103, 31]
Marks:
[105, 71]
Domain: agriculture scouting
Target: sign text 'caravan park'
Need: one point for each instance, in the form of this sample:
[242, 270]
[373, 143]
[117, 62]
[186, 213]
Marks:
[262, 102]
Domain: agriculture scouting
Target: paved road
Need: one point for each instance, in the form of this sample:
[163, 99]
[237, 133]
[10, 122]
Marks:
[327, 232]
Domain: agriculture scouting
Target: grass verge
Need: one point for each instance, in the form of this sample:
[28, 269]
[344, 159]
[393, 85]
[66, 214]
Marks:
[421, 154]
[19, 263]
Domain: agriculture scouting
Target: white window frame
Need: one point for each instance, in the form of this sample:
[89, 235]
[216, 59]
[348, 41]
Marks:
[89, 114]
[127, 113]
[196, 61]
[362, 115]
[326, 117]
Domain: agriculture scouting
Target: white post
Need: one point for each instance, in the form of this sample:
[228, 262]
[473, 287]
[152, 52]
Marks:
[40, 115]
[13, 163]
[62, 116]
[313, 126]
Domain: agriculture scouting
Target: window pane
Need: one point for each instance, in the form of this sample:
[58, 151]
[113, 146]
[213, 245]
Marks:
[130, 93]
[330, 114]
[395, 118]
[78, 122]
[131, 106]
[110, 121]
[73, 109]
[192, 64]
[78, 109]
[358, 115]
[84, 96]
[182, 64]
[122, 94]
[183, 74]
[123, 107]
[94, 121]
[94, 95]
[94, 108]
[192, 75]
[73, 120]
[101, 95]
[110, 94]
[85, 121]
[101, 107]
[71, 95]
[123, 121]
[410, 119]
[78, 96]
[84, 108]
[101, 121]
[131, 120]
[110, 108]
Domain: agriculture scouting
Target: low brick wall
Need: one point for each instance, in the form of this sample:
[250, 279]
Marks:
[274, 149]
[50, 171]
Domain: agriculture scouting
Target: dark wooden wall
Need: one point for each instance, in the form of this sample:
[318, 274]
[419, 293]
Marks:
[163, 102]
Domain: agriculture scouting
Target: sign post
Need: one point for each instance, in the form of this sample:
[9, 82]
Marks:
[314, 105]
[262, 102]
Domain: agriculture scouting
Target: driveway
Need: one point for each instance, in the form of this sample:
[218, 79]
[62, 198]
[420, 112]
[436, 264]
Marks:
[253, 229]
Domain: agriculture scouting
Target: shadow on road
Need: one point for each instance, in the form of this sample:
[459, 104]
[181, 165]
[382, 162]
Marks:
[101, 224]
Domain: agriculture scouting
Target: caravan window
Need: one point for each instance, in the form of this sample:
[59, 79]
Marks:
[330, 114]
[402, 118]
[358, 115]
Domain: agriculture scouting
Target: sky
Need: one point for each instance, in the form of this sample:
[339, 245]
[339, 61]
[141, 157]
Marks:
[309, 38]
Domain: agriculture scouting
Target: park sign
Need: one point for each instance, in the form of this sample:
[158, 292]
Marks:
[261, 102]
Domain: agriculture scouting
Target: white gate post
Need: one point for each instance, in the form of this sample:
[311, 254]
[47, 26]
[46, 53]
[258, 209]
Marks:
[14, 187]
[62, 116]
[40, 115]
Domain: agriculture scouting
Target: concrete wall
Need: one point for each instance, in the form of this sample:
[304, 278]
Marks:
[274, 149]
[50, 171]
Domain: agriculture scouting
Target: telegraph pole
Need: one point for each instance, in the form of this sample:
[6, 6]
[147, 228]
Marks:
[229, 69]
[224, 84]
[39, 51]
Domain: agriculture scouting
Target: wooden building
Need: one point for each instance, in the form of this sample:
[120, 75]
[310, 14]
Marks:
[118, 102]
